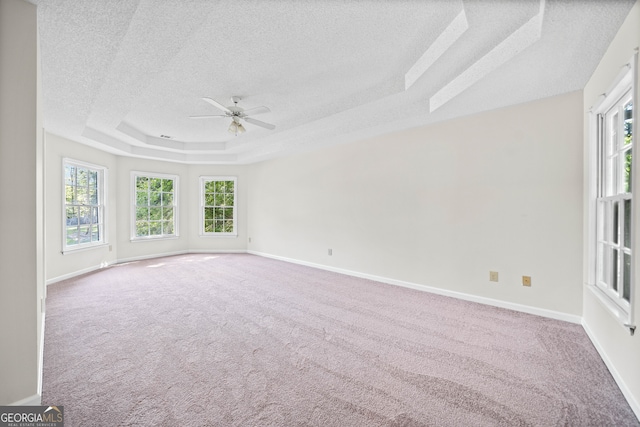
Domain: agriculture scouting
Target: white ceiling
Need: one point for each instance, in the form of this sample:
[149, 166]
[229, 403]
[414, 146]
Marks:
[117, 74]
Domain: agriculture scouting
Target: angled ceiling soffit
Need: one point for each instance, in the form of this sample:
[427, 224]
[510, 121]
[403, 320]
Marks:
[184, 156]
[516, 42]
[171, 144]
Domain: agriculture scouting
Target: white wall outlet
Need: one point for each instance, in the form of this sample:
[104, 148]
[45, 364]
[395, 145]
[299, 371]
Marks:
[330, 251]
[493, 276]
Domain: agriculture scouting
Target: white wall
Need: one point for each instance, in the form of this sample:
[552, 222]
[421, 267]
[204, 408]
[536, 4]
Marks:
[61, 265]
[19, 242]
[619, 349]
[440, 205]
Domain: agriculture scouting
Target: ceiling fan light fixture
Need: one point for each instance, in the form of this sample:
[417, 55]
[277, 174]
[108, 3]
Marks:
[233, 128]
[236, 114]
[236, 127]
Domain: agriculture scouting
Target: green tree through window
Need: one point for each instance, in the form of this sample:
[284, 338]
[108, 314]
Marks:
[218, 205]
[155, 205]
[83, 205]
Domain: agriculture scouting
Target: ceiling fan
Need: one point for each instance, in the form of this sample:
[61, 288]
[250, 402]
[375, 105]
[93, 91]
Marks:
[236, 114]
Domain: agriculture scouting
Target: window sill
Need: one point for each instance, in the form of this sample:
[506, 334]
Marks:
[618, 313]
[152, 239]
[220, 235]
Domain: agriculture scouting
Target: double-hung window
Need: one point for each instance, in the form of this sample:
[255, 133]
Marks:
[613, 128]
[218, 209]
[84, 205]
[155, 206]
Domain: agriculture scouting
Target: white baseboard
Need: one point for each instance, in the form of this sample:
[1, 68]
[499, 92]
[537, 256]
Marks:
[188, 251]
[143, 257]
[41, 356]
[140, 258]
[78, 273]
[215, 251]
[633, 403]
[434, 290]
[34, 400]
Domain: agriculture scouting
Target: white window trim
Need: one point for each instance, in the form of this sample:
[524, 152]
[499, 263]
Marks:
[628, 77]
[235, 206]
[176, 201]
[103, 174]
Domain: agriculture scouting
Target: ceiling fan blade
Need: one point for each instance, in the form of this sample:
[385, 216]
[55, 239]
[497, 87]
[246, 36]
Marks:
[257, 110]
[219, 116]
[217, 105]
[259, 123]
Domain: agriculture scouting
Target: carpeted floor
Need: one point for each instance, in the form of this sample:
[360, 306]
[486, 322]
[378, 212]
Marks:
[241, 340]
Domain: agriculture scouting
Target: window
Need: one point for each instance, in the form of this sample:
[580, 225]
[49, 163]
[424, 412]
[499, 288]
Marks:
[612, 126]
[84, 208]
[155, 206]
[218, 213]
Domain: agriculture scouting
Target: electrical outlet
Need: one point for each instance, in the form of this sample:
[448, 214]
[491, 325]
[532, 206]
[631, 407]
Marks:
[249, 239]
[493, 276]
[526, 280]
[330, 251]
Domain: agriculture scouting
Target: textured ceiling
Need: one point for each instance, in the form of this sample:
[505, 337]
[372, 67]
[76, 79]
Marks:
[119, 74]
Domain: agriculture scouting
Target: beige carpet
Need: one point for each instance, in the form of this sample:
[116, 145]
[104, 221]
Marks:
[240, 340]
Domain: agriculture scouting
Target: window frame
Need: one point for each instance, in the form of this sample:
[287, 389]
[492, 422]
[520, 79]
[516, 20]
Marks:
[622, 91]
[101, 205]
[201, 216]
[134, 206]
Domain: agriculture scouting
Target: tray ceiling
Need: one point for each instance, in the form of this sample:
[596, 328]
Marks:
[125, 76]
